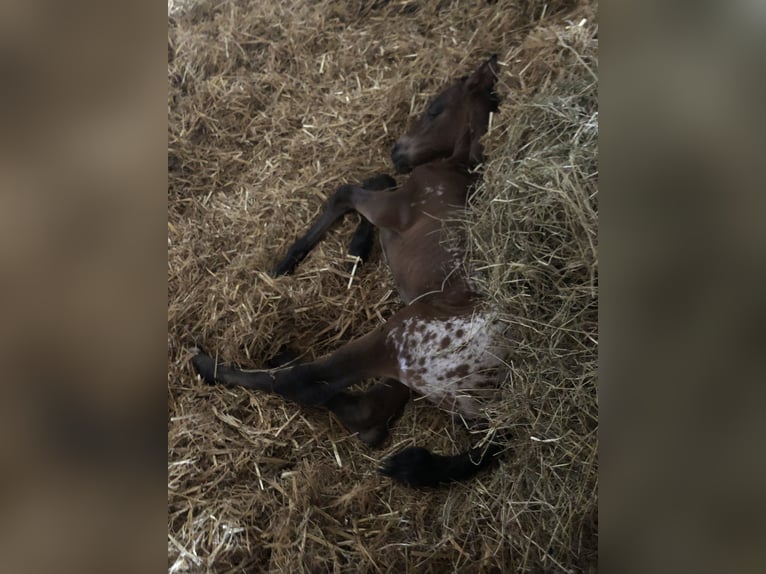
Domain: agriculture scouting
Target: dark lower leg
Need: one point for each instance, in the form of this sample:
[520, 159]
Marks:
[370, 413]
[361, 242]
[338, 205]
[311, 383]
[307, 384]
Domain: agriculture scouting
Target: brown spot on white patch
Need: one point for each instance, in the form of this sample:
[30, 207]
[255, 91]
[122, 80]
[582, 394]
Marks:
[441, 365]
[458, 372]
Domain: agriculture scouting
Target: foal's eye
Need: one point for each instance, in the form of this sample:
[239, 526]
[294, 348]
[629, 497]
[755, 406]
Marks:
[434, 110]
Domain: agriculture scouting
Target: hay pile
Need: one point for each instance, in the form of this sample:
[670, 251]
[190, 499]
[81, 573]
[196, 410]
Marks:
[271, 106]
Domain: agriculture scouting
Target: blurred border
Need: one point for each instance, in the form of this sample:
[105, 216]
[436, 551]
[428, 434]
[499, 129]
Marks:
[682, 355]
[82, 276]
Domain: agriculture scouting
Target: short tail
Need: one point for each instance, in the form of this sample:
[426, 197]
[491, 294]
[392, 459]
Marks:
[416, 466]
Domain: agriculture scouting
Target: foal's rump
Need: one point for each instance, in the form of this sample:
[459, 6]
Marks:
[452, 359]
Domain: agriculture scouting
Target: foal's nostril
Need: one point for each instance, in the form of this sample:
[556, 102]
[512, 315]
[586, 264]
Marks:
[399, 158]
[396, 152]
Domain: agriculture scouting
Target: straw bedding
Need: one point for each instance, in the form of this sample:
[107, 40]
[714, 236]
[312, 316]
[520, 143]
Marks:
[273, 105]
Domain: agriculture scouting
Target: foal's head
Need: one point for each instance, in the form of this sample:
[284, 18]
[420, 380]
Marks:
[458, 115]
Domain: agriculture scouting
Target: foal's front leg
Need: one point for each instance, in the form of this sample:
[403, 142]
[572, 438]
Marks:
[337, 206]
[363, 238]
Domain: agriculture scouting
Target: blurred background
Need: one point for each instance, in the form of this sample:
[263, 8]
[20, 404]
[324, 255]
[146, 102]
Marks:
[82, 277]
[681, 311]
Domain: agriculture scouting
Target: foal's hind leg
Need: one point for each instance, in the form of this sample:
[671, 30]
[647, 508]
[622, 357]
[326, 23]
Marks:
[312, 383]
[371, 412]
[338, 205]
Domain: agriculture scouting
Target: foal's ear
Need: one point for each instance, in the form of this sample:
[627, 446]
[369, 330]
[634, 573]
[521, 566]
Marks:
[462, 152]
[468, 149]
[485, 77]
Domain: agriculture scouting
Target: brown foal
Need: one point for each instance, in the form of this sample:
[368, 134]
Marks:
[443, 343]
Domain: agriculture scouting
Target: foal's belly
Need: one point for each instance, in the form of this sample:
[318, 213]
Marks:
[421, 262]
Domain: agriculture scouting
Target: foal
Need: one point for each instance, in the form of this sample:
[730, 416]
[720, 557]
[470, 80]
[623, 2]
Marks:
[442, 344]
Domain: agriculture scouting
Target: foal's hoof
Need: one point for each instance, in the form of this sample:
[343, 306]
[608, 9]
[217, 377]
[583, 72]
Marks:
[375, 436]
[285, 267]
[414, 466]
[205, 366]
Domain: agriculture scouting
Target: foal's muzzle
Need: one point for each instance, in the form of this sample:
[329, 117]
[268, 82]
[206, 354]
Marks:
[399, 157]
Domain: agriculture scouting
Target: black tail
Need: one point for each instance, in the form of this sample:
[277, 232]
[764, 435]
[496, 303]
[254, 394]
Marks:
[416, 466]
